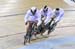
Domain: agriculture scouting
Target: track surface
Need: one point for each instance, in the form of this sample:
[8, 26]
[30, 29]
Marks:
[12, 28]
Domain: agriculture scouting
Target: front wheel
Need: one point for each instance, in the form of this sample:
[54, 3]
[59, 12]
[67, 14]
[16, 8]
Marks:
[27, 38]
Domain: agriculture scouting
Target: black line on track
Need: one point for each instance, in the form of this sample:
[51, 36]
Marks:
[24, 32]
[12, 15]
[11, 35]
[23, 14]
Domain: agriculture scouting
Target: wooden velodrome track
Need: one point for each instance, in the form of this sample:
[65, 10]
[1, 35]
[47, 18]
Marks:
[12, 27]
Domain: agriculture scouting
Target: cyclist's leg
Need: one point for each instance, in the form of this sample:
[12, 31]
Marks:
[35, 31]
[50, 26]
[28, 33]
[53, 26]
